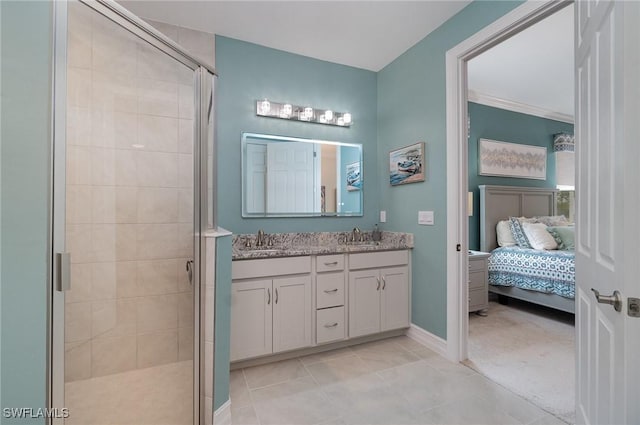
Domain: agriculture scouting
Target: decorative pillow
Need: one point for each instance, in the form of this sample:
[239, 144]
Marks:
[503, 232]
[568, 236]
[518, 233]
[553, 220]
[538, 236]
[556, 237]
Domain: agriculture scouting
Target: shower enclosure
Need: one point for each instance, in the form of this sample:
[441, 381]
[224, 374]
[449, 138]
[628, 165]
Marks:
[132, 150]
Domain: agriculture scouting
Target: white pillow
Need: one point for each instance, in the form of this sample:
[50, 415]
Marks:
[503, 232]
[538, 236]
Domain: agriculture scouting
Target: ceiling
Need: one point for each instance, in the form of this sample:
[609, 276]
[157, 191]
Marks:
[535, 67]
[364, 34]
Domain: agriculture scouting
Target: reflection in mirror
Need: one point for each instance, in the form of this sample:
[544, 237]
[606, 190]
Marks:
[289, 176]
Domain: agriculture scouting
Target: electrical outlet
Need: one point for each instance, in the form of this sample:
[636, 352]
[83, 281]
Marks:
[383, 216]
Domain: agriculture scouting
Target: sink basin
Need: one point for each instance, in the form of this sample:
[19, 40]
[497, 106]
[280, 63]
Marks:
[365, 245]
[264, 251]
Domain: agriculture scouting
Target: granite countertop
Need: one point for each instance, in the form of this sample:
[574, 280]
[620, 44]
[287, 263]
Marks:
[318, 243]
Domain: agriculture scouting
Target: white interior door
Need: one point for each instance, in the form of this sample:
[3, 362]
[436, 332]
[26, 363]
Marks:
[290, 177]
[607, 236]
[256, 177]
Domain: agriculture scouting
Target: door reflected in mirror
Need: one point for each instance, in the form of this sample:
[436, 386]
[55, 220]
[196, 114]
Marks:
[289, 176]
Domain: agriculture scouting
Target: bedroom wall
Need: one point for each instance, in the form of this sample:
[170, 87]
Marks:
[248, 72]
[507, 126]
[411, 108]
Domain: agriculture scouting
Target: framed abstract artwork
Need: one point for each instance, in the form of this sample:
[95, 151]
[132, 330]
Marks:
[511, 160]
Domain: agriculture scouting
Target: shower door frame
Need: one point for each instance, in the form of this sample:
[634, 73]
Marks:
[204, 76]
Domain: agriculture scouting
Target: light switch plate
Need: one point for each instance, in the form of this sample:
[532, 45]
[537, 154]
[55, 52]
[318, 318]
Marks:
[383, 216]
[425, 218]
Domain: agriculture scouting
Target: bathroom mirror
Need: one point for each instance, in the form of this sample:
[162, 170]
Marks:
[293, 177]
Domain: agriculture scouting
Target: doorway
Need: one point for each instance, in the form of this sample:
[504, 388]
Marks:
[457, 157]
[129, 206]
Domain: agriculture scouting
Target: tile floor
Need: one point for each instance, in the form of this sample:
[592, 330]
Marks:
[394, 381]
[160, 395]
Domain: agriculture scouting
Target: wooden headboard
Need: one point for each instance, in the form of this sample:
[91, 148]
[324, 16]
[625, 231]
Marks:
[501, 202]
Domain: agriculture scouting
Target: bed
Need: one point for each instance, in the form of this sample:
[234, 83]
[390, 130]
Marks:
[541, 277]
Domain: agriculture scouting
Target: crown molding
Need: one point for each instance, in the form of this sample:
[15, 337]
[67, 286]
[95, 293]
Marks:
[523, 108]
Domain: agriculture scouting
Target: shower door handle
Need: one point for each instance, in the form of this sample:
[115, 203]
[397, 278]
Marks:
[63, 271]
[189, 267]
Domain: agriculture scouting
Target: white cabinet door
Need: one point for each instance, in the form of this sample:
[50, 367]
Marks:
[291, 313]
[364, 302]
[251, 326]
[394, 300]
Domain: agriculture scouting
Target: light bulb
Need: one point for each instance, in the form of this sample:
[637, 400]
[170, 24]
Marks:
[347, 118]
[308, 112]
[287, 109]
[328, 115]
[265, 105]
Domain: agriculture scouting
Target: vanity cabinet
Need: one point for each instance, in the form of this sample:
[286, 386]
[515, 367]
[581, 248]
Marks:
[330, 297]
[270, 315]
[379, 297]
[289, 303]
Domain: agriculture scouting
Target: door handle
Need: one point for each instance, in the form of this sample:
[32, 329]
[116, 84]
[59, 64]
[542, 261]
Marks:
[63, 271]
[276, 295]
[189, 267]
[378, 287]
[384, 283]
[329, 291]
[268, 296]
[615, 300]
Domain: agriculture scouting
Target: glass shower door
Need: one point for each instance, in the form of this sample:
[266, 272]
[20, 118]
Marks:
[129, 316]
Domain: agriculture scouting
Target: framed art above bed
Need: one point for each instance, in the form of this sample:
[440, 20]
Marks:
[505, 159]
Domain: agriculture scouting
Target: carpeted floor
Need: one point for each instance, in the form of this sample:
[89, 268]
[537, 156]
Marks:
[530, 350]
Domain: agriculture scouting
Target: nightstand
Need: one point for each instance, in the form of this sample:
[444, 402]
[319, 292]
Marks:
[478, 282]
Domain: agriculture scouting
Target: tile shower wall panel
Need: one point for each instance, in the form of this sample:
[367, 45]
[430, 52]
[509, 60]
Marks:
[129, 202]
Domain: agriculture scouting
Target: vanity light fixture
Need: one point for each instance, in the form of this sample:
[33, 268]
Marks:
[287, 111]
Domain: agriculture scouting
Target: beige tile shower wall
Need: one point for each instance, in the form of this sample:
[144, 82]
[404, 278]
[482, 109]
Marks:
[129, 201]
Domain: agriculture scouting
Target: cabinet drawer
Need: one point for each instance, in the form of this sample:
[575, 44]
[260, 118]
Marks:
[247, 269]
[478, 299]
[327, 263]
[367, 260]
[477, 280]
[329, 289]
[330, 325]
[477, 264]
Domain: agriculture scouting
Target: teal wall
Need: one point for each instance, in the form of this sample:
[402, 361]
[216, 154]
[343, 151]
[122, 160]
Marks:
[223, 318]
[512, 127]
[24, 166]
[248, 72]
[412, 108]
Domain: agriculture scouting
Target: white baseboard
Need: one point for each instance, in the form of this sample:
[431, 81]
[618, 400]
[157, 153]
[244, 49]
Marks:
[222, 415]
[428, 339]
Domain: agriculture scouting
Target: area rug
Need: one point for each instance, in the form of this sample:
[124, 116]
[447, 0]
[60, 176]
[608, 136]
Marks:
[529, 350]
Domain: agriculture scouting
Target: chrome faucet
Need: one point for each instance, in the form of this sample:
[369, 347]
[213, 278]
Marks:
[260, 238]
[356, 235]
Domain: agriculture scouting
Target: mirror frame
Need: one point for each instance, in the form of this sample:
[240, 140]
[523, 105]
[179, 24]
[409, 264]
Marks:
[247, 135]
